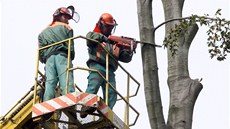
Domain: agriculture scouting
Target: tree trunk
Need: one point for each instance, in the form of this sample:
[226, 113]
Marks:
[183, 90]
[150, 68]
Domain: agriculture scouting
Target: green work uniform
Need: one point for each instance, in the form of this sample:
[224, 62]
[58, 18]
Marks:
[97, 60]
[55, 58]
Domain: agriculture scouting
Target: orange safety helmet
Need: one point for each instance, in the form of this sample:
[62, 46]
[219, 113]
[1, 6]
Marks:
[107, 18]
[63, 10]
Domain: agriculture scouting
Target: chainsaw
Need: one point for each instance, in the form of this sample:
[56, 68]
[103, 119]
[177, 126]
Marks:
[127, 42]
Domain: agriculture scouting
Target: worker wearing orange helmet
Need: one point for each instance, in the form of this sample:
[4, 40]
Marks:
[97, 59]
[55, 57]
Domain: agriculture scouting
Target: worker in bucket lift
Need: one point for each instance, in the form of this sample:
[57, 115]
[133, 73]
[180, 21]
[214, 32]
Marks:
[97, 60]
[55, 57]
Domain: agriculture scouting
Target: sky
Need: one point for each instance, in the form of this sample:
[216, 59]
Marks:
[22, 21]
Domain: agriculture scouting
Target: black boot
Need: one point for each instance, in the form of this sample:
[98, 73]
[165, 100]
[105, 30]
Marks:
[86, 110]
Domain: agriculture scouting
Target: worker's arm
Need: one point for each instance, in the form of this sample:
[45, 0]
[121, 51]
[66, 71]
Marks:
[41, 43]
[70, 35]
[95, 36]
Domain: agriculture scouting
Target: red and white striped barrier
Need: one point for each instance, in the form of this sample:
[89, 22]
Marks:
[65, 101]
[104, 109]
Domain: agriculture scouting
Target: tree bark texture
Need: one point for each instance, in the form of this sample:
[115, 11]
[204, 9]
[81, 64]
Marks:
[183, 90]
[150, 68]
